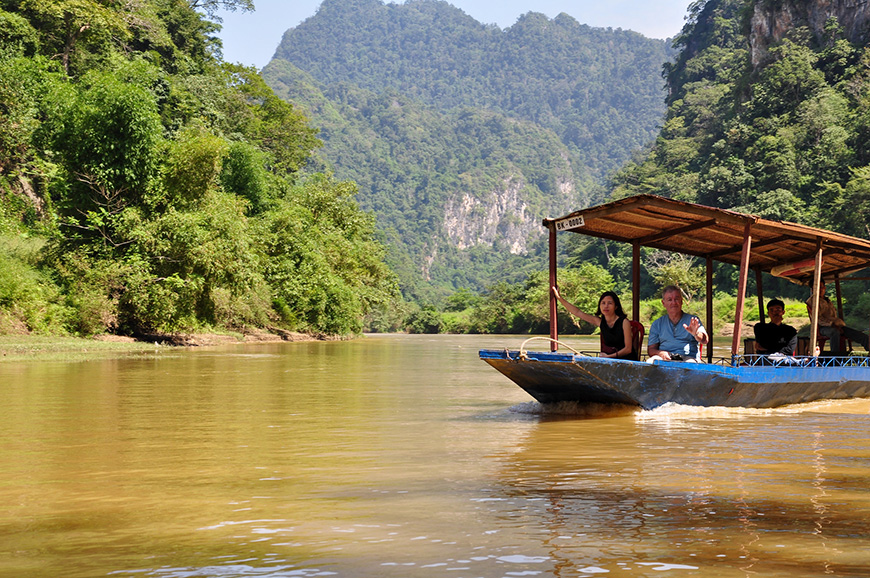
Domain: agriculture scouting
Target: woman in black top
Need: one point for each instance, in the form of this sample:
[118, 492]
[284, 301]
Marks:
[614, 324]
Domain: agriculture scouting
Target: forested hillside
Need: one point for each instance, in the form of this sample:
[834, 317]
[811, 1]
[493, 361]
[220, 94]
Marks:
[774, 126]
[148, 187]
[463, 136]
[768, 113]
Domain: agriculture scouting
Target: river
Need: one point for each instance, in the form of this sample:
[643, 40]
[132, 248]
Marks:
[406, 456]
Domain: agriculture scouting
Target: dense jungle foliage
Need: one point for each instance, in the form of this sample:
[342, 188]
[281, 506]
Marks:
[146, 186]
[426, 109]
[785, 139]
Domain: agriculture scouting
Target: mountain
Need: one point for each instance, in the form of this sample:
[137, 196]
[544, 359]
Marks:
[463, 136]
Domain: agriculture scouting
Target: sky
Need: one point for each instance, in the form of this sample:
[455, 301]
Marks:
[251, 38]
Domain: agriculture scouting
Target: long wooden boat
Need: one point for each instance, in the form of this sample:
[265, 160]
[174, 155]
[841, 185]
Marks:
[804, 255]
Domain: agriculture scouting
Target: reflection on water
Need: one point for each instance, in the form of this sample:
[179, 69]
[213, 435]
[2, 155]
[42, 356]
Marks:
[730, 491]
[407, 456]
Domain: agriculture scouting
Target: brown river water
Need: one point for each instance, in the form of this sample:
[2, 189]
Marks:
[406, 456]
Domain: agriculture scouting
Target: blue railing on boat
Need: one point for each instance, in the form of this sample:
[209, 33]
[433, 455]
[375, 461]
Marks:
[807, 361]
[754, 360]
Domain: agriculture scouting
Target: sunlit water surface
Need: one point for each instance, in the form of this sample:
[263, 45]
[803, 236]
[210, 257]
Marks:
[406, 456]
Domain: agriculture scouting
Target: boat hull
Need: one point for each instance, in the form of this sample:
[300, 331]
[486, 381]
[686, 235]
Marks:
[557, 377]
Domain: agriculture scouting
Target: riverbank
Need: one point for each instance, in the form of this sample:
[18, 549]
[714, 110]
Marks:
[56, 348]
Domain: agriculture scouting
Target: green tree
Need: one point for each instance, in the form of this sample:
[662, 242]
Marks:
[174, 180]
[676, 269]
[17, 36]
[243, 173]
[65, 24]
[212, 6]
[109, 137]
[275, 125]
[496, 312]
[425, 320]
[193, 166]
[851, 205]
[325, 268]
[199, 266]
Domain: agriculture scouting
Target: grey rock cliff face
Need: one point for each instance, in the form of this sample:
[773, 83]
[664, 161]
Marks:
[469, 221]
[773, 19]
[500, 217]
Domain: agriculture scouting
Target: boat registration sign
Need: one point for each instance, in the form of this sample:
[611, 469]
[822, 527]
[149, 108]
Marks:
[569, 223]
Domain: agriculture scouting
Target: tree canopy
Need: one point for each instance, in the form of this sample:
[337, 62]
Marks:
[146, 186]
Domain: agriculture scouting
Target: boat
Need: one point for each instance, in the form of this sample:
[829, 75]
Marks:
[802, 254]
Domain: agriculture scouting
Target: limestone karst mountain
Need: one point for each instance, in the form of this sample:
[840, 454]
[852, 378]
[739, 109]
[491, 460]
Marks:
[463, 136]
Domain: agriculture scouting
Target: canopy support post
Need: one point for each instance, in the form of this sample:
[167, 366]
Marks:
[709, 323]
[760, 295]
[817, 282]
[635, 281]
[839, 296]
[554, 312]
[741, 290]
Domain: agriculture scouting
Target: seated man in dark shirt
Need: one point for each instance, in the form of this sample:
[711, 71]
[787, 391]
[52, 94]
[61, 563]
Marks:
[775, 336]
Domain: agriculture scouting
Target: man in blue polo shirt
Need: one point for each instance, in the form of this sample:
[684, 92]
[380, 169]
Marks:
[676, 335]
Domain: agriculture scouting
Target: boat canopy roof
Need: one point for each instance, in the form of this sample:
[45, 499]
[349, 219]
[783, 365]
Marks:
[779, 247]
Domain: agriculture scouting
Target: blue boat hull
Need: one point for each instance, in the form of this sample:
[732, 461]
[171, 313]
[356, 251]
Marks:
[555, 377]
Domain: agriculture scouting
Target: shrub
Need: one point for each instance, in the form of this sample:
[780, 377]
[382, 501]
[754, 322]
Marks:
[28, 297]
[425, 320]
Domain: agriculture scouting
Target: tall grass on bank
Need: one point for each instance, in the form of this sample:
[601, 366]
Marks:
[44, 348]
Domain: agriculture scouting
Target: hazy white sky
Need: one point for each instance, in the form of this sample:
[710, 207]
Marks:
[252, 37]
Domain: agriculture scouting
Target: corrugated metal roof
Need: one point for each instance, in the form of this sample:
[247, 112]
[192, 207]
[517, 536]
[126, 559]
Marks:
[692, 229]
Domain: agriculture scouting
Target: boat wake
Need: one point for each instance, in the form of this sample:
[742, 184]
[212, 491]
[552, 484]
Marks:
[575, 409]
[570, 409]
[675, 410]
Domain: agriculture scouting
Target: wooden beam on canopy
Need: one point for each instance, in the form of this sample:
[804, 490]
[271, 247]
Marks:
[846, 270]
[623, 224]
[674, 232]
[725, 216]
